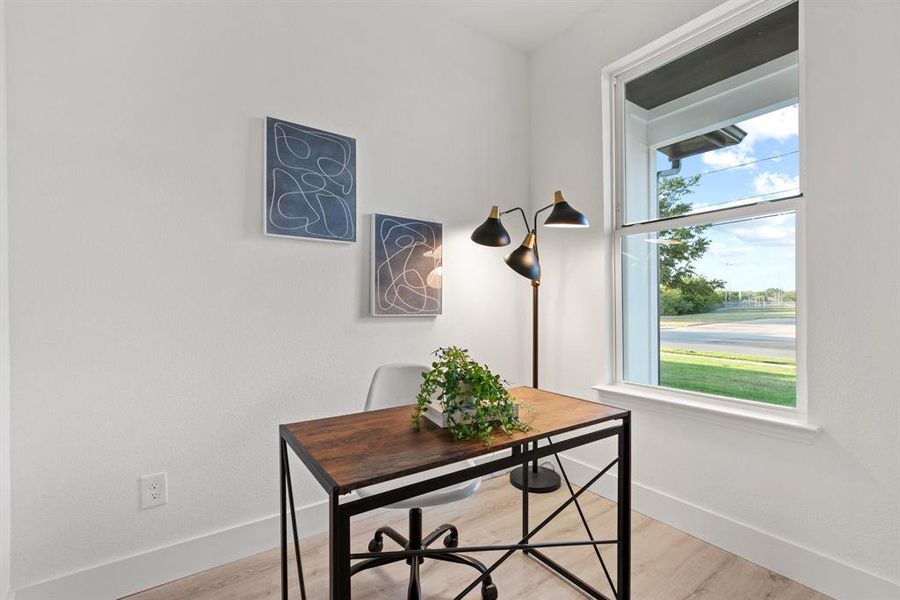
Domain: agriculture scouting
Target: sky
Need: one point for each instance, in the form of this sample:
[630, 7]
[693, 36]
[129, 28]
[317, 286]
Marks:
[752, 254]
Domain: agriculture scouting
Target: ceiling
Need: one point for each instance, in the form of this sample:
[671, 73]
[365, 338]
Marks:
[524, 24]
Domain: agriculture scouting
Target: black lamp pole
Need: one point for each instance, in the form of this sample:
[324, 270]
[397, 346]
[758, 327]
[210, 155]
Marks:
[525, 260]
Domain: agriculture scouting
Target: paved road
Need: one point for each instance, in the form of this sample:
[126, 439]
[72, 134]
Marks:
[763, 337]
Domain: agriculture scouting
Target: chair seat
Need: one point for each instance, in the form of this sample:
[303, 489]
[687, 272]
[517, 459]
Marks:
[442, 496]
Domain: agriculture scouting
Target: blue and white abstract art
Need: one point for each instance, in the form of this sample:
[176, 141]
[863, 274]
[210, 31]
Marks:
[310, 183]
[406, 267]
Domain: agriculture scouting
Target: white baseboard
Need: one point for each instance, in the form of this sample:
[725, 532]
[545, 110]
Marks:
[142, 571]
[149, 569]
[817, 571]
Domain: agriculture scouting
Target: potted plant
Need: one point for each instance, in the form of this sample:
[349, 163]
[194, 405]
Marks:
[472, 398]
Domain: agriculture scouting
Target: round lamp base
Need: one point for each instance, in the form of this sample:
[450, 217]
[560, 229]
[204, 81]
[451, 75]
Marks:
[543, 482]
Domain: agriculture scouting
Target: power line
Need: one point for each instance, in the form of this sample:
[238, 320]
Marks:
[752, 162]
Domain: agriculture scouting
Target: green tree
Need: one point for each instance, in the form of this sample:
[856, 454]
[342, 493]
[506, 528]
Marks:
[682, 290]
[672, 302]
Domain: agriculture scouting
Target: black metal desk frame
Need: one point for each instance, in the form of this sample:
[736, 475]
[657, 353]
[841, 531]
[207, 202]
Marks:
[340, 556]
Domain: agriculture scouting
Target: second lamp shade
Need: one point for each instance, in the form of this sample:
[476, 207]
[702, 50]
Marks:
[524, 261]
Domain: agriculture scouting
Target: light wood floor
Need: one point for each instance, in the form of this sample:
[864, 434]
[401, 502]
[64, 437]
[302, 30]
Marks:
[667, 563]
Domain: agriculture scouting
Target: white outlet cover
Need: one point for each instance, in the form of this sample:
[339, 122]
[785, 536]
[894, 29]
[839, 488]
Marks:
[154, 490]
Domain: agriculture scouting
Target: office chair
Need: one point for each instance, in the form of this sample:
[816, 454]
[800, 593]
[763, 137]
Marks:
[398, 385]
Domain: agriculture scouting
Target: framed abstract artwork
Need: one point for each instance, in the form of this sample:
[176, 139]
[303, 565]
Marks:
[310, 186]
[406, 267]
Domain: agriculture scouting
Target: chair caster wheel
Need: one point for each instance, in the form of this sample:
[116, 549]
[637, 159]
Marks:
[376, 545]
[489, 592]
[451, 541]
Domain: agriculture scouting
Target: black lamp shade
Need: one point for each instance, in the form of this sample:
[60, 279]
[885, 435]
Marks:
[524, 261]
[563, 215]
[491, 232]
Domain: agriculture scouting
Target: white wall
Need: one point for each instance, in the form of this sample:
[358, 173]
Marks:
[837, 499]
[151, 332]
[4, 328]
[153, 327]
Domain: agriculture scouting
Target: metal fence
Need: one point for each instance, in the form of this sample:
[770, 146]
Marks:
[758, 304]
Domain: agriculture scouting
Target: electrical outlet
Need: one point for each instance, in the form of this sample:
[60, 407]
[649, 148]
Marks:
[154, 491]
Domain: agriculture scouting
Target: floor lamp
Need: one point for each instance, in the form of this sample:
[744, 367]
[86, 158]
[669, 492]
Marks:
[525, 260]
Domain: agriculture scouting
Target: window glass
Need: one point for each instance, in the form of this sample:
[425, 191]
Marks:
[722, 317]
[709, 160]
[763, 165]
[724, 116]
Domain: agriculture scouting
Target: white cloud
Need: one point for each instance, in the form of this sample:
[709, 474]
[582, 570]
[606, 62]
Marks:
[728, 157]
[781, 219]
[777, 125]
[764, 234]
[774, 230]
[771, 183]
[725, 251]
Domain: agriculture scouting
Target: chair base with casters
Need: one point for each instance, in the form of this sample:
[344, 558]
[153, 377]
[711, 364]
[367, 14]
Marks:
[398, 385]
[417, 542]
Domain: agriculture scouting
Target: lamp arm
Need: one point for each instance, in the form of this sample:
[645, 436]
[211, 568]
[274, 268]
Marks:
[537, 212]
[524, 218]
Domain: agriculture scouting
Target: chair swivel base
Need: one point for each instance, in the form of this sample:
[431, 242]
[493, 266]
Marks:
[543, 482]
[417, 542]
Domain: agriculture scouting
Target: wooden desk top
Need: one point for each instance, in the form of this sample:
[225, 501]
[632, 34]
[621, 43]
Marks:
[362, 449]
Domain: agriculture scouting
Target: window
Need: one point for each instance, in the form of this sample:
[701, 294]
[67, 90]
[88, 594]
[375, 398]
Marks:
[708, 194]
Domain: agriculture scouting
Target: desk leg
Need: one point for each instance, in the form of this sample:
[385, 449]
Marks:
[284, 572]
[623, 562]
[339, 549]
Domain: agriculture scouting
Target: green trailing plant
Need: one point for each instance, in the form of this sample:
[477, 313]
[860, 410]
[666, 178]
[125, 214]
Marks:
[472, 397]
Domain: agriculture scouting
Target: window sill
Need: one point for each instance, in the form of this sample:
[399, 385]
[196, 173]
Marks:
[781, 425]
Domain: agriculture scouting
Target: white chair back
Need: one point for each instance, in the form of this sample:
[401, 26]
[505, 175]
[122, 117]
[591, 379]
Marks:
[395, 385]
[398, 385]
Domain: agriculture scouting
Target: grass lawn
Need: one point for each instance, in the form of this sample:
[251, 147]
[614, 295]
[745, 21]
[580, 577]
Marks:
[763, 379]
[725, 317]
[772, 360]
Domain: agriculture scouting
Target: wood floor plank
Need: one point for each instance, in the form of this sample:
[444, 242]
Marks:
[667, 564]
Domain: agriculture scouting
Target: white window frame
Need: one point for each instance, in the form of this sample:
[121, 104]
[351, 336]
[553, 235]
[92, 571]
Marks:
[790, 422]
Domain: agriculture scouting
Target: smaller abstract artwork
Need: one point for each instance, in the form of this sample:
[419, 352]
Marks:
[406, 267]
[310, 187]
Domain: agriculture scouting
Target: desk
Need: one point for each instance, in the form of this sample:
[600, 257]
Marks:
[353, 451]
